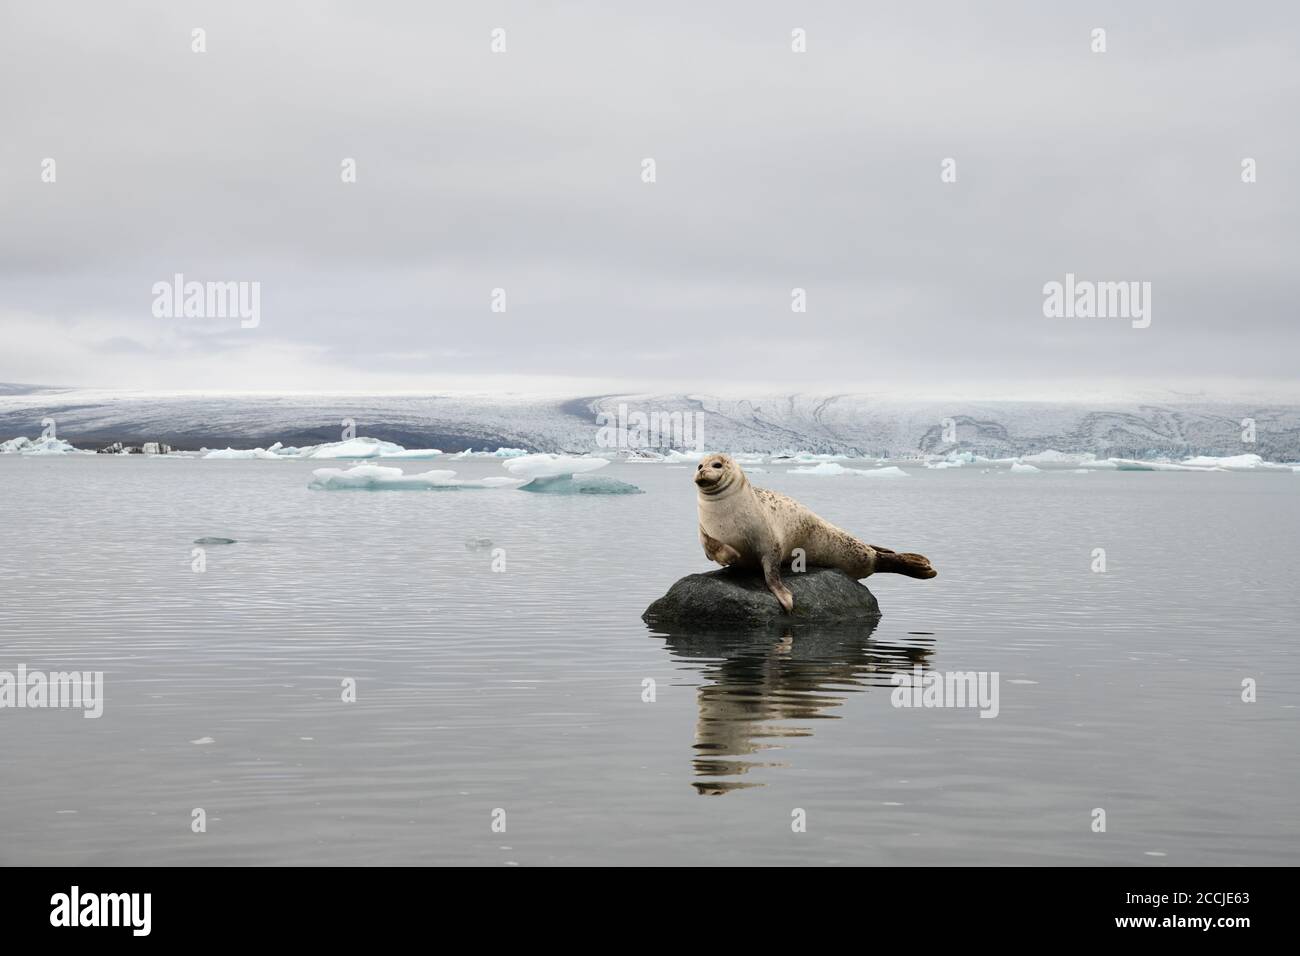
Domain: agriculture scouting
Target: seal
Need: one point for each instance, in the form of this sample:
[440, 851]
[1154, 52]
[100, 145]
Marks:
[755, 528]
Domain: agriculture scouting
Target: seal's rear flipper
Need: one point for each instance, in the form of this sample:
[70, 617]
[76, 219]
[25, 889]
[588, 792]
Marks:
[913, 565]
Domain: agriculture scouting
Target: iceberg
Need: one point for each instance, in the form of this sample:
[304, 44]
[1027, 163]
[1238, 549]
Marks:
[581, 485]
[1130, 464]
[809, 457]
[410, 453]
[1020, 468]
[831, 468]
[499, 453]
[353, 448]
[551, 466]
[566, 475]
[242, 454]
[1058, 459]
[384, 478]
[683, 457]
[40, 447]
[1235, 463]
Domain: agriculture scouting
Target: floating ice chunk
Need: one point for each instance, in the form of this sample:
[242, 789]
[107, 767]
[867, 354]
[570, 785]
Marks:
[354, 448]
[382, 478]
[551, 466]
[1235, 463]
[499, 453]
[831, 468]
[1020, 468]
[1129, 464]
[40, 446]
[581, 485]
[683, 457]
[1058, 459]
[810, 457]
[410, 453]
[244, 454]
[747, 459]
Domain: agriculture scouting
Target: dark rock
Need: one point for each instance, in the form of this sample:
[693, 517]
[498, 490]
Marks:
[733, 597]
[214, 540]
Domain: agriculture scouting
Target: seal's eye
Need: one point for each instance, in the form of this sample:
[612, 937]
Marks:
[717, 464]
[699, 468]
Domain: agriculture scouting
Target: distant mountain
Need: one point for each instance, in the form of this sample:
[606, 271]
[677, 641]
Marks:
[846, 423]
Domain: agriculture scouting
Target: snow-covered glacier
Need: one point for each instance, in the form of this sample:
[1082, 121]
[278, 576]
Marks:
[851, 425]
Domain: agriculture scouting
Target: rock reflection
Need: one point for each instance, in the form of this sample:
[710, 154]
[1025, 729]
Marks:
[761, 688]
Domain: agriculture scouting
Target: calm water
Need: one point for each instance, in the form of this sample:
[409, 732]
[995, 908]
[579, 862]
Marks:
[522, 689]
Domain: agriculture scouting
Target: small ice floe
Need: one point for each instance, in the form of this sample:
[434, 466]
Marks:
[242, 454]
[409, 453]
[552, 466]
[499, 453]
[1053, 459]
[1131, 464]
[566, 475]
[675, 457]
[1235, 463]
[1020, 468]
[353, 448]
[40, 447]
[812, 457]
[829, 469]
[214, 541]
[477, 544]
[640, 457]
[748, 459]
[581, 485]
[203, 740]
[384, 478]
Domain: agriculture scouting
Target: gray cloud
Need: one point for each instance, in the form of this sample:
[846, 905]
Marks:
[775, 170]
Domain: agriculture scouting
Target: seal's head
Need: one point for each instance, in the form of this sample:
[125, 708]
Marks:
[718, 473]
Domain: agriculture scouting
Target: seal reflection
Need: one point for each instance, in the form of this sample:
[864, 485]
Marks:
[757, 682]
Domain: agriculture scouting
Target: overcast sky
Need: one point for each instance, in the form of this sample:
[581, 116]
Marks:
[775, 170]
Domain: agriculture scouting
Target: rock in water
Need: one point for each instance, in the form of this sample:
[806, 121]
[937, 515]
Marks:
[214, 540]
[732, 596]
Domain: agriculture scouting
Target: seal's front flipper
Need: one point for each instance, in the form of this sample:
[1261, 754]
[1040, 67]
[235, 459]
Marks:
[913, 565]
[772, 576]
[715, 550]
